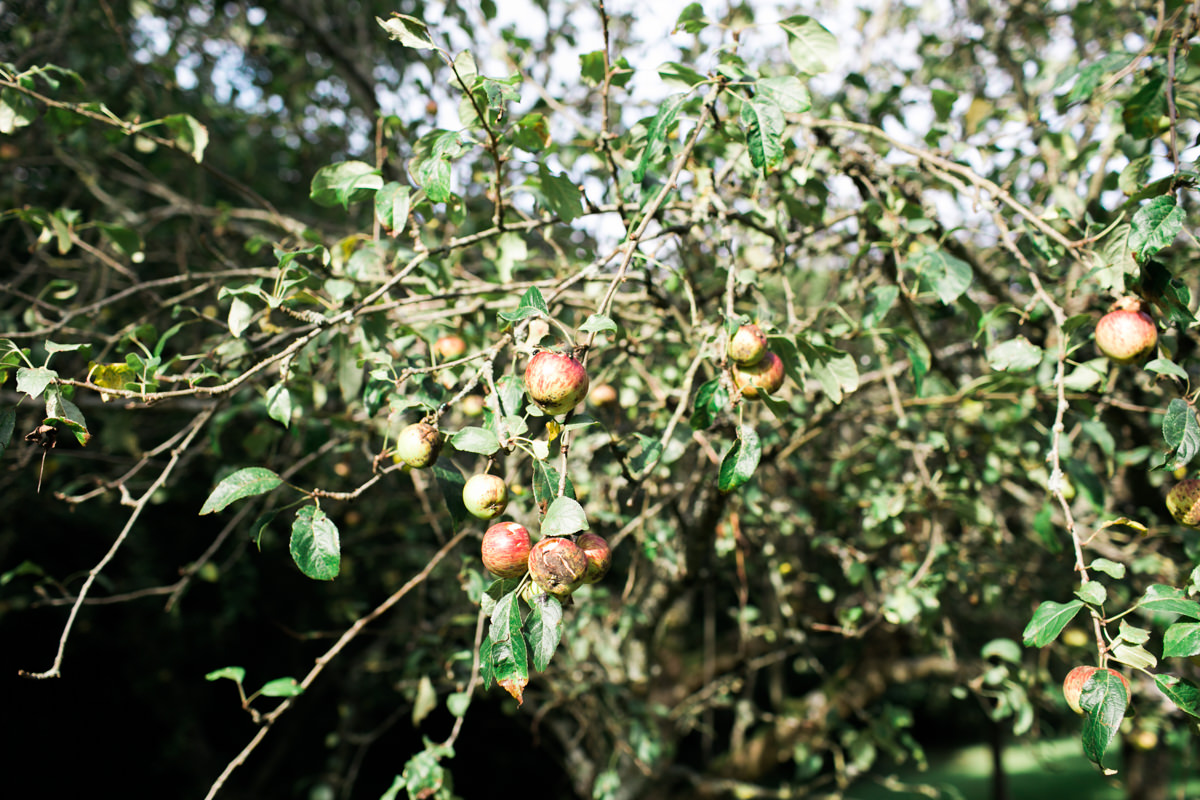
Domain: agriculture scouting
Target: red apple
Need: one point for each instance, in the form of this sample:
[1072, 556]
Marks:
[558, 565]
[599, 555]
[1183, 501]
[485, 496]
[748, 345]
[765, 377]
[506, 547]
[555, 381]
[1126, 334]
[418, 445]
[450, 347]
[1077, 678]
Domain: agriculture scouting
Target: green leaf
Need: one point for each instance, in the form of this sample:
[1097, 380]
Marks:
[787, 92]
[475, 440]
[1164, 366]
[741, 460]
[235, 674]
[917, 352]
[564, 517]
[1168, 599]
[1181, 640]
[560, 194]
[345, 183]
[812, 47]
[532, 133]
[1133, 634]
[1088, 78]
[949, 276]
[425, 702]
[423, 775]
[1092, 592]
[1135, 656]
[598, 323]
[189, 134]
[16, 111]
[834, 369]
[451, 483]
[1109, 568]
[531, 303]
[691, 19]
[32, 381]
[315, 544]
[408, 31]
[1048, 621]
[711, 397]
[246, 482]
[392, 203]
[1155, 226]
[1184, 694]
[1182, 434]
[281, 687]
[672, 72]
[656, 133]
[1103, 701]
[545, 629]
[545, 484]
[279, 404]
[1015, 355]
[509, 653]
[763, 123]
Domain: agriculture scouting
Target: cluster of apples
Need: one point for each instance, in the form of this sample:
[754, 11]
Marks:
[756, 370]
[556, 382]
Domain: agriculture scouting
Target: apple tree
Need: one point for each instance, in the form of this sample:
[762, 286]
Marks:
[820, 379]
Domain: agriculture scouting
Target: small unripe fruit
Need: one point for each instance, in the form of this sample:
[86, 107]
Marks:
[472, 405]
[1077, 678]
[557, 565]
[747, 346]
[555, 381]
[450, 347]
[603, 395]
[1183, 501]
[506, 547]
[1126, 334]
[485, 496]
[765, 377]
[599, 555]
[418, 445]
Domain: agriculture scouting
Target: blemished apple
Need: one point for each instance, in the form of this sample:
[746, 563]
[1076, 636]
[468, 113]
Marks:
[505, 551]
[1077, 678]
[485, 496]
[747, 346]
[599, 555]
[1183, 501]
[558, 565]
[418, 445]
[450, 347]
[556, 382]
[765, 377]
[1126, 334]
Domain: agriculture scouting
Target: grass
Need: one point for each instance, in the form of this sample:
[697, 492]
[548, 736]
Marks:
[1048, 770]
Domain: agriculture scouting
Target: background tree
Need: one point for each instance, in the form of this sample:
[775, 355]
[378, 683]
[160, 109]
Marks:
[248, 240]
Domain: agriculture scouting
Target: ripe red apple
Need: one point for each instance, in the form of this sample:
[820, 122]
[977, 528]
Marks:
[765, 377]
[485, 496]
[1126, 334]
[1077, 678]
[599, 555]
[558, 565]
[555, 381]
[748, 345]
[450, 347]
[1183, 501]
[506, 547]
[603, 395]
[418, 445]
